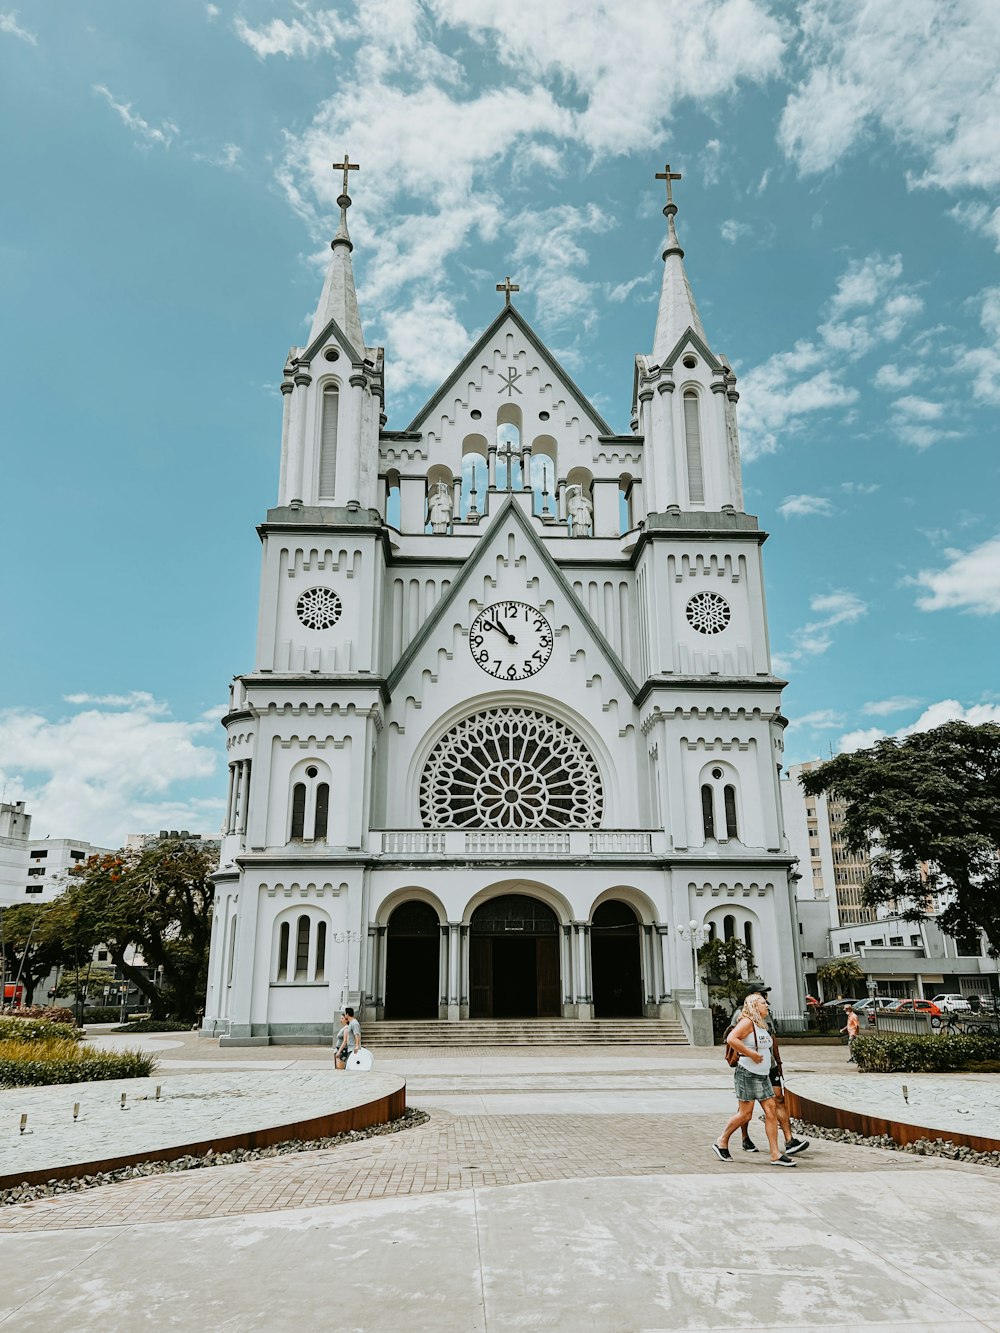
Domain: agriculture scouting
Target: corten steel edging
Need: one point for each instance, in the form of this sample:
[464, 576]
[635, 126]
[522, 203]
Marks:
[836, 1117]
[378, 1112]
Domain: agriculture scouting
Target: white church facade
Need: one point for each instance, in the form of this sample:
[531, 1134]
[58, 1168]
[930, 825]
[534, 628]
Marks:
[512, 716]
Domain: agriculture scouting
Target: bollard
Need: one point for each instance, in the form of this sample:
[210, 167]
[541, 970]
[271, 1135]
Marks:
[157, 1092]
[24, 1122]
[906, 1094]
[76, 1111]
[124, 1095]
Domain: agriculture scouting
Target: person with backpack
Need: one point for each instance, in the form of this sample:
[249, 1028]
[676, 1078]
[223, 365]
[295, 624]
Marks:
[751, 1044]
[776, 1075]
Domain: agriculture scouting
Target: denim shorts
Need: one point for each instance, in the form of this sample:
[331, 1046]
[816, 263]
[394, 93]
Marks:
[752, 1087]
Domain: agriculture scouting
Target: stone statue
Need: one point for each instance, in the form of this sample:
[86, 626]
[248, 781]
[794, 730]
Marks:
[580, 510]
[439, 506]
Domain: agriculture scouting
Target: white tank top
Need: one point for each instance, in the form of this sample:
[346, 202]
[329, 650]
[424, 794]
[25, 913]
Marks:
[764, 1044]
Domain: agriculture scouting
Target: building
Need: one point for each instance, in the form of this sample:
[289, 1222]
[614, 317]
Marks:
[512, 715]
[916, 959]
[830, 870]
[49, 862]
[15, 825]
[206, 842]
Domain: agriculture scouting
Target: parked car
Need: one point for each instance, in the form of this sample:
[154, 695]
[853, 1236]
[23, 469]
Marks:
[917, 1007]
[874, 1002]
[952, 1004]
[839, 1004]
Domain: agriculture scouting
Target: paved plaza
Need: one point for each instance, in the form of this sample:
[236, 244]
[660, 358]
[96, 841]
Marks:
[546, 1191]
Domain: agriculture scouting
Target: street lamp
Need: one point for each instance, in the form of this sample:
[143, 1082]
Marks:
[695, 934]
[347, 937]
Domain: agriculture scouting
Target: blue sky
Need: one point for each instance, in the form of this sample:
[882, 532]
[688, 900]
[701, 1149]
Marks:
[166, 207]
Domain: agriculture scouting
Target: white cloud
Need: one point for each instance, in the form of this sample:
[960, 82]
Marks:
[623, 290]
[816, 637]
[732, 229]
[928, 78]
[819, 720]
[321, 31]
[978, 218]
[10, 25]
[798, 506]
[227, 157]
[982, 364]
[212, 12]
[710, 162]
[935, 715]
[921, 409]
[109, 766]
[892, 378]
[969, 582]
[883, 707]
[146, 134]
[860, 487]
[548, 253]
[429, 339]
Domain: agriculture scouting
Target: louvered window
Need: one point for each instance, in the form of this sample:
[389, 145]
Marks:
[692, 437]
[298, 810]
[732, 828]
[322, 809]
[328, 444]
[708, 811]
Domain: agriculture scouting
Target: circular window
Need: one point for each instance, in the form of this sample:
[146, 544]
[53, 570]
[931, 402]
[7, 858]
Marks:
[690, 362]
[312, 772]
[717, 773]
[318, 608]
[331, 354]
[543, 416]
[511, 768]
[476, 415]
[708, 613]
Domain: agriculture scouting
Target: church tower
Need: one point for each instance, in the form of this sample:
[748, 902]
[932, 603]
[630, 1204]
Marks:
[512, 734]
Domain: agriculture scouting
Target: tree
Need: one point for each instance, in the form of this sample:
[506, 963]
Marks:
[82, 982]
[157, 903]
[726, 965]
[35, 943]
[929, 808]
[841, 975]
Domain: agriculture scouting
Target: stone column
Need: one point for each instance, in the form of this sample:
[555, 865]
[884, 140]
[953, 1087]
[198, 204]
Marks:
[456, 503]
[229, 800]
[526, 466]
[287, 389]
[443, 973]
[463, 972]
[453, 952]
[296, 481]
[491, 466]
[245, 784]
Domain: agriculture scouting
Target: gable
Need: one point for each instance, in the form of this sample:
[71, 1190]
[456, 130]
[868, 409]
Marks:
[490, 345]
[511, 537]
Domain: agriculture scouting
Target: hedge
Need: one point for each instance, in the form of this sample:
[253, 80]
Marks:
[901, 1053]
[154, 1025]
[34, 1064]
[22, 1030]
[53, 1012]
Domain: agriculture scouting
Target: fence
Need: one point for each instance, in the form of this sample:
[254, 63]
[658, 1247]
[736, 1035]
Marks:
[828, 1023]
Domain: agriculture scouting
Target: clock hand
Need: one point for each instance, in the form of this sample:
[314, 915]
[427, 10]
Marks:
[500, 629]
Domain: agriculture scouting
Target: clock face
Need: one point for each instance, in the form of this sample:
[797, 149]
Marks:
[510, 640]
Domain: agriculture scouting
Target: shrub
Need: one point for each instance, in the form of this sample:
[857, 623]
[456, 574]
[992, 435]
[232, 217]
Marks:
[154, 1025]
[102, 1015]
[33, 1030]
[34, 1064]
[53, 1012]
[901, 1053]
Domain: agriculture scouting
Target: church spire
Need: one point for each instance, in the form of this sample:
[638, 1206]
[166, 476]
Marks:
[677, 311]
[339, 300]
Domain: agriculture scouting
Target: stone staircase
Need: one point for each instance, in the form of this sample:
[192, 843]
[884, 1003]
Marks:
[510, 1032]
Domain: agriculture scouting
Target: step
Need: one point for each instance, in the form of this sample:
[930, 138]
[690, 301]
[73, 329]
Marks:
[525, 1032]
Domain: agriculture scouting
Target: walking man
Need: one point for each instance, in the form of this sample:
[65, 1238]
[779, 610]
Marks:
[851, 1028]
[349, 1038]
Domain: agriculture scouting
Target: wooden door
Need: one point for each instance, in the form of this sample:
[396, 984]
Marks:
[547, 974]
[480, 976]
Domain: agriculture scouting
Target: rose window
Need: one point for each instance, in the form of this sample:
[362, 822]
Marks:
[318, 608]
[511, 768]
[708, 613]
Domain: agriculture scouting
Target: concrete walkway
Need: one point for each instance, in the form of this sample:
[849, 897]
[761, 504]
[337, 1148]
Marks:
[545, 1192]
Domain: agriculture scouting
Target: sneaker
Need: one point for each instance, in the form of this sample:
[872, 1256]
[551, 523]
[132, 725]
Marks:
[783, 1160]
[750, 1146]
[723, 1154]
[796, 1145]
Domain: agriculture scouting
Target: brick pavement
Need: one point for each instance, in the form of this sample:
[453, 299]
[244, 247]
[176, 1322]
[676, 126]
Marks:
[450, 1152]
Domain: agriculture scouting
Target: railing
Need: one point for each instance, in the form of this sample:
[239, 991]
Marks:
[516, 842]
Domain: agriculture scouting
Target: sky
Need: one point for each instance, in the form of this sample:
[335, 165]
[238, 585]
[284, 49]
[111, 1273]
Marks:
[164, 220]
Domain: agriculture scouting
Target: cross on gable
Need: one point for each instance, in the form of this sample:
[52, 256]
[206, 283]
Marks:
[667, 175]
[345, 166]
[507, 287]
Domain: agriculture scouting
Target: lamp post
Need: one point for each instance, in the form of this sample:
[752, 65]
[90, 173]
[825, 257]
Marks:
[695, 934]
[347, 937]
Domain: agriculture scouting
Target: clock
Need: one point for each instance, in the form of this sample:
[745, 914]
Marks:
[510, 640]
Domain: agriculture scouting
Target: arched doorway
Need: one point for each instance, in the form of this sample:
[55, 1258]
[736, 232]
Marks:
[615, 961]
[514, 959]
[412, 962]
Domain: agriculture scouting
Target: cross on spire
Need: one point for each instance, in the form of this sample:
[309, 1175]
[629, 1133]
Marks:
[667, 175]
[507, 287]
[347, 165]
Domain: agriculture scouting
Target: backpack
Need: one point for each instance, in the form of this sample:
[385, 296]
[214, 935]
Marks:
[731, 1053]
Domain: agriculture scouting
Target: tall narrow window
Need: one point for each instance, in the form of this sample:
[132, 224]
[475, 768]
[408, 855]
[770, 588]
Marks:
[322, 809]
[328, 443]
[320, 951]
[708, 811]
[729, 796]
[232, 952]
[298, 810]
[283, 951]
[302, 949]
[692, 437]
[729, 927]
[748, 937]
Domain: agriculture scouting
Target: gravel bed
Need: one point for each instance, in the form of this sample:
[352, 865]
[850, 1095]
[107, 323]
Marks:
[922, 1148]
[410, 1119]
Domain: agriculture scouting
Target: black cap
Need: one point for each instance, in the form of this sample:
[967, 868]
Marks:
[755, 990]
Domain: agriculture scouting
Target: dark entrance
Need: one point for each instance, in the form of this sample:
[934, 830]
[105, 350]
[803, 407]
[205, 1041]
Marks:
[413, 950]
[614, 960]
[514, 959]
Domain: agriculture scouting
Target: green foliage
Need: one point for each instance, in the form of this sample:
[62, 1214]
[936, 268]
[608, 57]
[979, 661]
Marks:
[24, 1065]
[83, 981]
[930, 803]
[841, 976]
[53, 1012]
[110, 1014]
[727, 964]
[32, 1030]
[897, 1052]
[154, 1025]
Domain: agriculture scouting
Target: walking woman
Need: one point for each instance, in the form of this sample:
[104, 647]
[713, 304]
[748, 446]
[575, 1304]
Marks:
[751, 1038]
